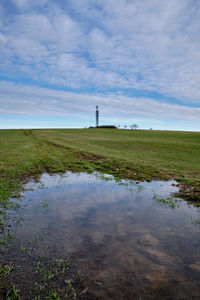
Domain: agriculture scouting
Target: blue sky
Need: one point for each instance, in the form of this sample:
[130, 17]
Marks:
[138, 60]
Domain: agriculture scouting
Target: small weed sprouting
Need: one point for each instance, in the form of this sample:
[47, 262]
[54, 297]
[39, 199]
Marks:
[19, 220]
[71, 291]
[12, 293]
[6, 241]
[46, 272]
[45, 204]
[79, 274]
[2, 219]
[5, 270]
[45, 277]
[36, 240]
[38, 298]
[22, 248]
[54, 295]
[196, 221]
[169, 201]
[139, 188]
[15, 293]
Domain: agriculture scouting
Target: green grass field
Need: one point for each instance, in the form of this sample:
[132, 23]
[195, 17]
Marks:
[132, 154]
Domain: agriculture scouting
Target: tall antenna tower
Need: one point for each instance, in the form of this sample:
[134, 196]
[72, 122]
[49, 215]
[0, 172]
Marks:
[97, 116]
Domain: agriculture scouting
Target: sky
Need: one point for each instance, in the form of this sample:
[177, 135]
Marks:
[139, 61]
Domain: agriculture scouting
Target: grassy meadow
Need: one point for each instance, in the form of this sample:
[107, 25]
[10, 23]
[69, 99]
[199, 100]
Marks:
[132, 154]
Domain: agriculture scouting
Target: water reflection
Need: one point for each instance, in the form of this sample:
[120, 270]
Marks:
[127, 244]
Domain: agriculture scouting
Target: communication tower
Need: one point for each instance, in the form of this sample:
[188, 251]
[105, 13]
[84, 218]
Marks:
[97, 116]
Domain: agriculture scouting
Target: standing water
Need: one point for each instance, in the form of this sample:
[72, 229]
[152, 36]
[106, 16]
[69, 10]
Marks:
[80, 236]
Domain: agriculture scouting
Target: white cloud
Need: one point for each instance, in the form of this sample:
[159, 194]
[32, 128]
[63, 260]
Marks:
[24, 5]
[30, 100]
[150, 45]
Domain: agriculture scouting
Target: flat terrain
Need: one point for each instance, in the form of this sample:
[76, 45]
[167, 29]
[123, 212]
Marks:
[133, 154]
[29, 264]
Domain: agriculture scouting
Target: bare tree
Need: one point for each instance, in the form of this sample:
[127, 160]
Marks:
[134, 126]
[125, 126]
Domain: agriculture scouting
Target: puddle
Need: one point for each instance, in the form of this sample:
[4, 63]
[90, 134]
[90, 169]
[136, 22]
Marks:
[123, 240]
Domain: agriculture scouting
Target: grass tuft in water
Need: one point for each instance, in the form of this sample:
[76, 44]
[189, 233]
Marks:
[169, 201]
[45, 204]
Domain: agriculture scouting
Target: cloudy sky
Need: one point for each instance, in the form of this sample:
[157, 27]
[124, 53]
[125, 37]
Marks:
[138, 60]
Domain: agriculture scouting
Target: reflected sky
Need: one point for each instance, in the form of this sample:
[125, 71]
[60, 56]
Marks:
[117, 233]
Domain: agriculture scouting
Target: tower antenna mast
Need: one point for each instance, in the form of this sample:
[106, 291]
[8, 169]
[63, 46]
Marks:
[97, 116]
